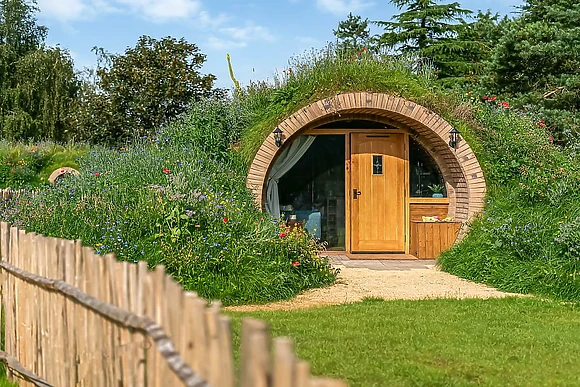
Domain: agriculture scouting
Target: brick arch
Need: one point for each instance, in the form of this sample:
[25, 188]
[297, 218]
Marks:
[463, 175]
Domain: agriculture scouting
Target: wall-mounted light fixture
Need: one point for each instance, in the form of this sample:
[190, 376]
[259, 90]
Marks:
[277, 136]
[454, 138]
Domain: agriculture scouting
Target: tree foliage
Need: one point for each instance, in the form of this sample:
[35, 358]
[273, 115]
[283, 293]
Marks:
[435, 32]
[537, 62]
[353, 34]
[38, 84]
[143, 89]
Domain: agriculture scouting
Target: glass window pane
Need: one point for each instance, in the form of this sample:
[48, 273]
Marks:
[313, 190]
[426, 178]
[377, 165]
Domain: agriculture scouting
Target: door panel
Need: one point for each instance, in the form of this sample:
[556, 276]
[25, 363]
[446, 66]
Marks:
[378, 173]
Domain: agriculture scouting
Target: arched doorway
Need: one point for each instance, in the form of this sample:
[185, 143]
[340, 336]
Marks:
[392, 155]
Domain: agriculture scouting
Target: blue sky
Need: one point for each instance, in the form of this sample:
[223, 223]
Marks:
[260, 35]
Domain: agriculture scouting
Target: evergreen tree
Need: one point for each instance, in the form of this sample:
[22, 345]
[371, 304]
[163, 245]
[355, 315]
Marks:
[461, 59]
[537, 62]
[429, 30]
[353, 34]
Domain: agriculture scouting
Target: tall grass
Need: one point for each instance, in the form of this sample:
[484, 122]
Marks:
[326, 73]
[31, 164]
[528, 237]
[167, 201]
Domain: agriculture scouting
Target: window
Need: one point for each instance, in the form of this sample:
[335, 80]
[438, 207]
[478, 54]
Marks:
[314, 190]
[378, 165]
[424, 172]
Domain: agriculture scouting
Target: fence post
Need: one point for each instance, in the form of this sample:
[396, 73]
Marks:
[199, 336]
[283, 363]
[213, 344]
[142, 275]
[255, 350]
[70, 308]
[4, 246]
[302, 374]
[226, 350]
[7, 294]
[323, 382]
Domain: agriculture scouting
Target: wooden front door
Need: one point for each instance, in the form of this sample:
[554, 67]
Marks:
[377, 192]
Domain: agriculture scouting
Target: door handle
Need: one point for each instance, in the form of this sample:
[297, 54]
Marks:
[355, 193]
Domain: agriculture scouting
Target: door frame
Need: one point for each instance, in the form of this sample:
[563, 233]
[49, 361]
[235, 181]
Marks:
[347, 177]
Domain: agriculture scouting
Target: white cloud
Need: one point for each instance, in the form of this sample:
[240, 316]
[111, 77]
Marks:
[248, 33]
[342, 7]
[63, 9]
[236, 37]
[163, 10]
[154, 10]
[206, 20]
[224, 44]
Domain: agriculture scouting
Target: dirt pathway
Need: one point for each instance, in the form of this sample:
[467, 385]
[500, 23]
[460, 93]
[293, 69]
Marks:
[386, 280]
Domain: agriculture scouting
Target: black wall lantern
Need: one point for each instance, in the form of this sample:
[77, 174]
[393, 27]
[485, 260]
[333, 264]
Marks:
[453, 138]
[278, 136]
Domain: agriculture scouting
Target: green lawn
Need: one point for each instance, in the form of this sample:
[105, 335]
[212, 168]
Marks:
[500, 342]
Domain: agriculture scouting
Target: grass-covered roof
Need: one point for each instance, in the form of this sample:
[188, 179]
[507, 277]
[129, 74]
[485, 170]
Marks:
[527, 237]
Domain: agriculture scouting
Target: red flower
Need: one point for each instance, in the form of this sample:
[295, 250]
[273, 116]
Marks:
[505, 105]
[283, 235]
[165, 170]
[493, 98]
[261, 219]
[485, 97]
[62, 171]
[97, 174]
[295, 263]
[551, 139]
[364, 48]
[225, 220]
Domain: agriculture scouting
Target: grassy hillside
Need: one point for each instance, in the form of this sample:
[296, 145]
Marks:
[179, 199]
[528, 237]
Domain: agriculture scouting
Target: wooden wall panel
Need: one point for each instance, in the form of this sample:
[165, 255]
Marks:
[418, 210]
[429, 239]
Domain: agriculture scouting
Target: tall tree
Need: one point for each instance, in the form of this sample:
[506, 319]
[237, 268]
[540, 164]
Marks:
[38, 84]
[537, 62]
[144, 88]
[353, 34]
[461, 58]
[428, 30]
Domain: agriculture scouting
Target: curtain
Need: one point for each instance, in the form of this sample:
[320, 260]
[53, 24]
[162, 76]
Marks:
[288, 158]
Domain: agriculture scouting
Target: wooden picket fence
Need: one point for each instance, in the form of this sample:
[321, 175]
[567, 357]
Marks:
[73, 318]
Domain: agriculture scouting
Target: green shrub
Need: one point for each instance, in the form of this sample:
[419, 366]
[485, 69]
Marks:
[523, 241]
[168, 202]
[568, 238]
[31, 164]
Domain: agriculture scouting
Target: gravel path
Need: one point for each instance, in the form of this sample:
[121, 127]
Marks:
[390, 280]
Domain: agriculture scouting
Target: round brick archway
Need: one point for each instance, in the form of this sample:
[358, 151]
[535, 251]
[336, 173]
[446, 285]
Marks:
[461, 170]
